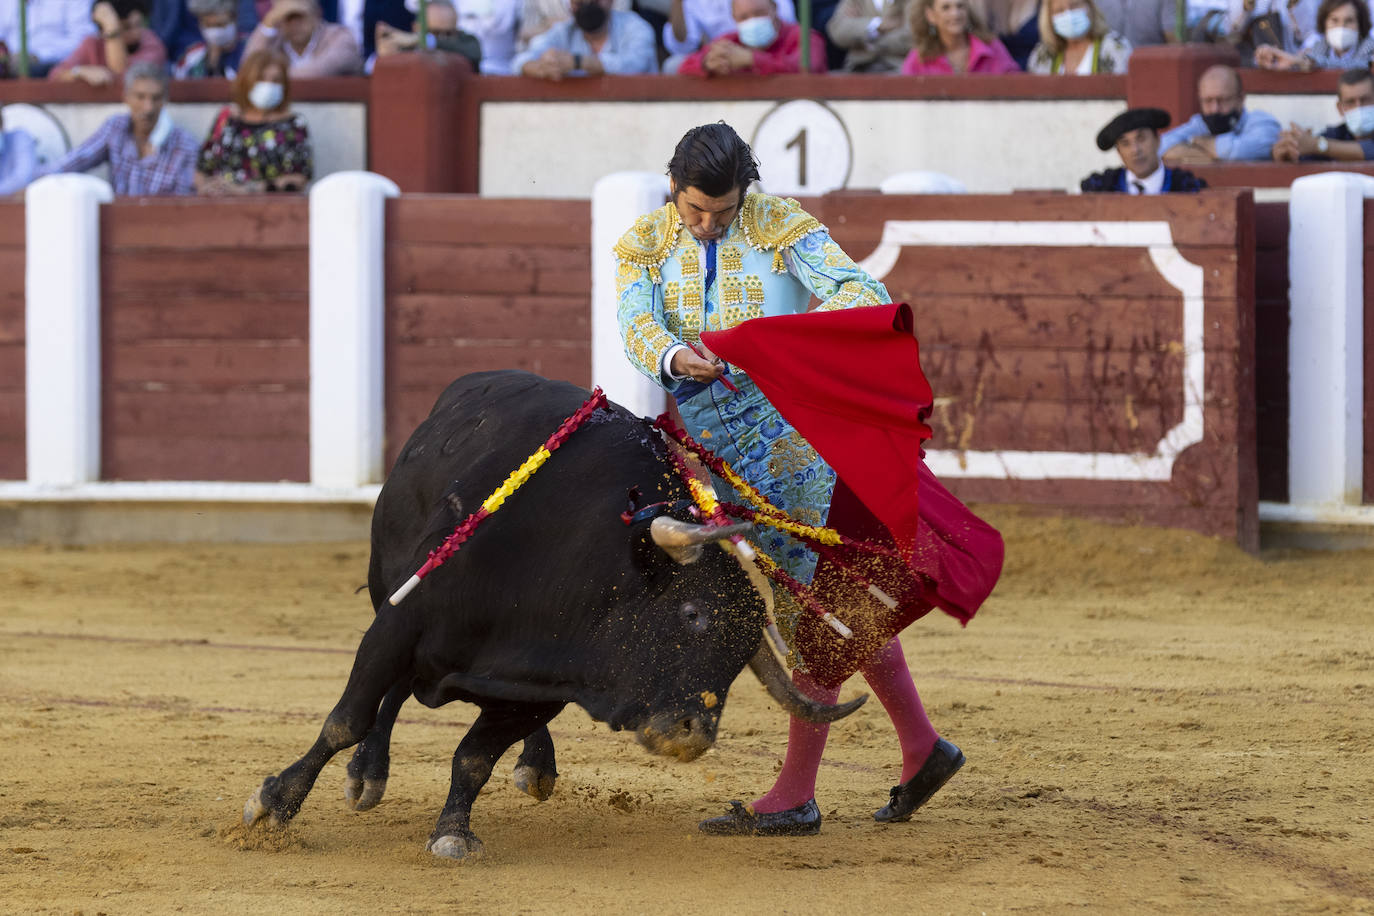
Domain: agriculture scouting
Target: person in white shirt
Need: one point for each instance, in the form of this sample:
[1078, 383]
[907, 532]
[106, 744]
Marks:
[55, 28]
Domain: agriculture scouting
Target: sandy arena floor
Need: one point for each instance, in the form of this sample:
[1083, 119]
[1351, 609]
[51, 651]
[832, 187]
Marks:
[1153, 720]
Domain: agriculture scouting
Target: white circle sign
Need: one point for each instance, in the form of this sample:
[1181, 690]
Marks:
[803, 148]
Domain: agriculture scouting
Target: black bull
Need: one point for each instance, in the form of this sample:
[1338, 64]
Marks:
[554, 600]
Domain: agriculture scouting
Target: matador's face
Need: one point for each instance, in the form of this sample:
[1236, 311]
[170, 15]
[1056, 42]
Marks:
[706, 217]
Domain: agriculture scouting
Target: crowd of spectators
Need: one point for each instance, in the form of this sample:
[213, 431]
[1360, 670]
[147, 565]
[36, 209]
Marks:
[259, 143]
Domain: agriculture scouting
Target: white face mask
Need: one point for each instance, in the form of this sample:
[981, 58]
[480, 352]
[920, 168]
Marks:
[161, 130]
[1360, 121]
[1342, 39]
[220, 36]
[1072, 24]
[759, 32]
[265, 96]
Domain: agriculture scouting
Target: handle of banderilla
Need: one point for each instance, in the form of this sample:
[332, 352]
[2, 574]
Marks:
[400, 594]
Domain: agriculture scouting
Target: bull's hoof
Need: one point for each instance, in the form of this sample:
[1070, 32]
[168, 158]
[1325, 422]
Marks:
[534, 782]
[459, 848]
[363, 794]
[255, 809]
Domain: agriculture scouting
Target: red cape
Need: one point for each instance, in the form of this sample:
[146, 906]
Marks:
[850, 382]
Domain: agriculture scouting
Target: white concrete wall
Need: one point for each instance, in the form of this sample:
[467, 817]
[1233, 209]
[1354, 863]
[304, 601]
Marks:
[992, 146]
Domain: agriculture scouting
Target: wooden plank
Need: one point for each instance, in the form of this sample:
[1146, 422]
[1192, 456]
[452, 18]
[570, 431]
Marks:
[1271, 226]
[145, 273]
[1368, 470]
[12, 367]
[12, 224]
[174, 457]
[1118, 426]
[856, 219]
[494, 269]
[468, 220]
[189, 223]
[190, 317]
[431, 368]
[11, 319]
[248, 414]
[429, 316]
[929, 270]
[219, 364]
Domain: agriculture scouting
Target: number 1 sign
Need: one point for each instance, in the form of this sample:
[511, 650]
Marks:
[803, 148]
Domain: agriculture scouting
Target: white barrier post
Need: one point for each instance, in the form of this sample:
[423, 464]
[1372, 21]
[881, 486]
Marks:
[62, 328]
[617, 201]
[1326, 338]
[922, 183]
[347, 331]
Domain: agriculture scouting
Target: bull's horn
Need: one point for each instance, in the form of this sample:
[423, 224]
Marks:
[769, 670]
[683, 540]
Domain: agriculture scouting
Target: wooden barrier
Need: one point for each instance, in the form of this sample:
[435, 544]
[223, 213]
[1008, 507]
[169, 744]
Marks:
[1368, 494]
[1042, 347]
[475, 284]
[1271, 349]
[204, 339]
[12, 463]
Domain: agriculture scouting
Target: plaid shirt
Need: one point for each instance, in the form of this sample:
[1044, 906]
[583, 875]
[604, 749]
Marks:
[167, 170]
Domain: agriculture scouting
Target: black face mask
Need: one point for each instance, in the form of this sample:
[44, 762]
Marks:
[1222, 122]
[590, 17]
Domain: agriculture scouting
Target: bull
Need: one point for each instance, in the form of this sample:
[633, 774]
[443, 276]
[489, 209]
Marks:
[554, 600]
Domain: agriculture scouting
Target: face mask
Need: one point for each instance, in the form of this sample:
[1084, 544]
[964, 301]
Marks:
[161, 130]
[1341, 39]
[1072, 24]
[759, 32]
[1360, 121]
[265, 96]
[1222, 122]
[220, 36]
[590, 17]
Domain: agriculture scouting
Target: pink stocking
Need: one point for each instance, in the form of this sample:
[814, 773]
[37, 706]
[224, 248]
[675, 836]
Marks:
[890, 679]
[805, 744]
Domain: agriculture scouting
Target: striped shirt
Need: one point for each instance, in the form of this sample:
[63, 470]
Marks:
[168, 169]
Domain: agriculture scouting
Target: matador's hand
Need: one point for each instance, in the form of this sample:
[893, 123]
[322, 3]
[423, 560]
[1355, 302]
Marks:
[705, 368]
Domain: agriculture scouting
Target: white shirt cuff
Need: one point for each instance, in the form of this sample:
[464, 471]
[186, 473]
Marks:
[667, 366]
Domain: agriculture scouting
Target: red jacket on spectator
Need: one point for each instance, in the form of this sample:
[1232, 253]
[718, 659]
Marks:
[782, 56]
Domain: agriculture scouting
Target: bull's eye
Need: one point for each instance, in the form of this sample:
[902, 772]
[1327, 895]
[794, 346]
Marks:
[694, 616]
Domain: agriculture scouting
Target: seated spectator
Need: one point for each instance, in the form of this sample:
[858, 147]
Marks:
[442, 33]
[123, 39]
[1016, 23]
[1344, 41]
[221, 46]
[873, 34]
[598, 40]
[761, 44]
[259, 144]
[1135, 135]
[55, 29]
[693, 24]
[1141, 22]
[18, 159]
[313, 47]
[1203, 21]
[1283, 24]
[535, 17]
[1224, 130]
[1350, 141]
[495, 24]
[146, 152]
[1074, 38]
[951, 38]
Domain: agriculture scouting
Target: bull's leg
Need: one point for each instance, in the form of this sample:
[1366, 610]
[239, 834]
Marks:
[498, 727]
[383, 656]
[535, 772]
[371, 763]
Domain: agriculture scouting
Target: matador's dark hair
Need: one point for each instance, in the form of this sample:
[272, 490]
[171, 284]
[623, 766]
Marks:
[713, 159]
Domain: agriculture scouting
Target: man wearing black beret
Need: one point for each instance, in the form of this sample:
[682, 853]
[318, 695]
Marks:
[1135, 135]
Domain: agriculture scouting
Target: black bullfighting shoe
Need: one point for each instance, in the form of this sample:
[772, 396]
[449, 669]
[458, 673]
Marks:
[944, 761]
[803, 820]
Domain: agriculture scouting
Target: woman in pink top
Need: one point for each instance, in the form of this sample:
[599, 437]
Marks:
[951, 38]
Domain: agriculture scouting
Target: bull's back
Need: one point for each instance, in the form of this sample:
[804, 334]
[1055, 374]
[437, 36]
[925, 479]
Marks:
[483, 427]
